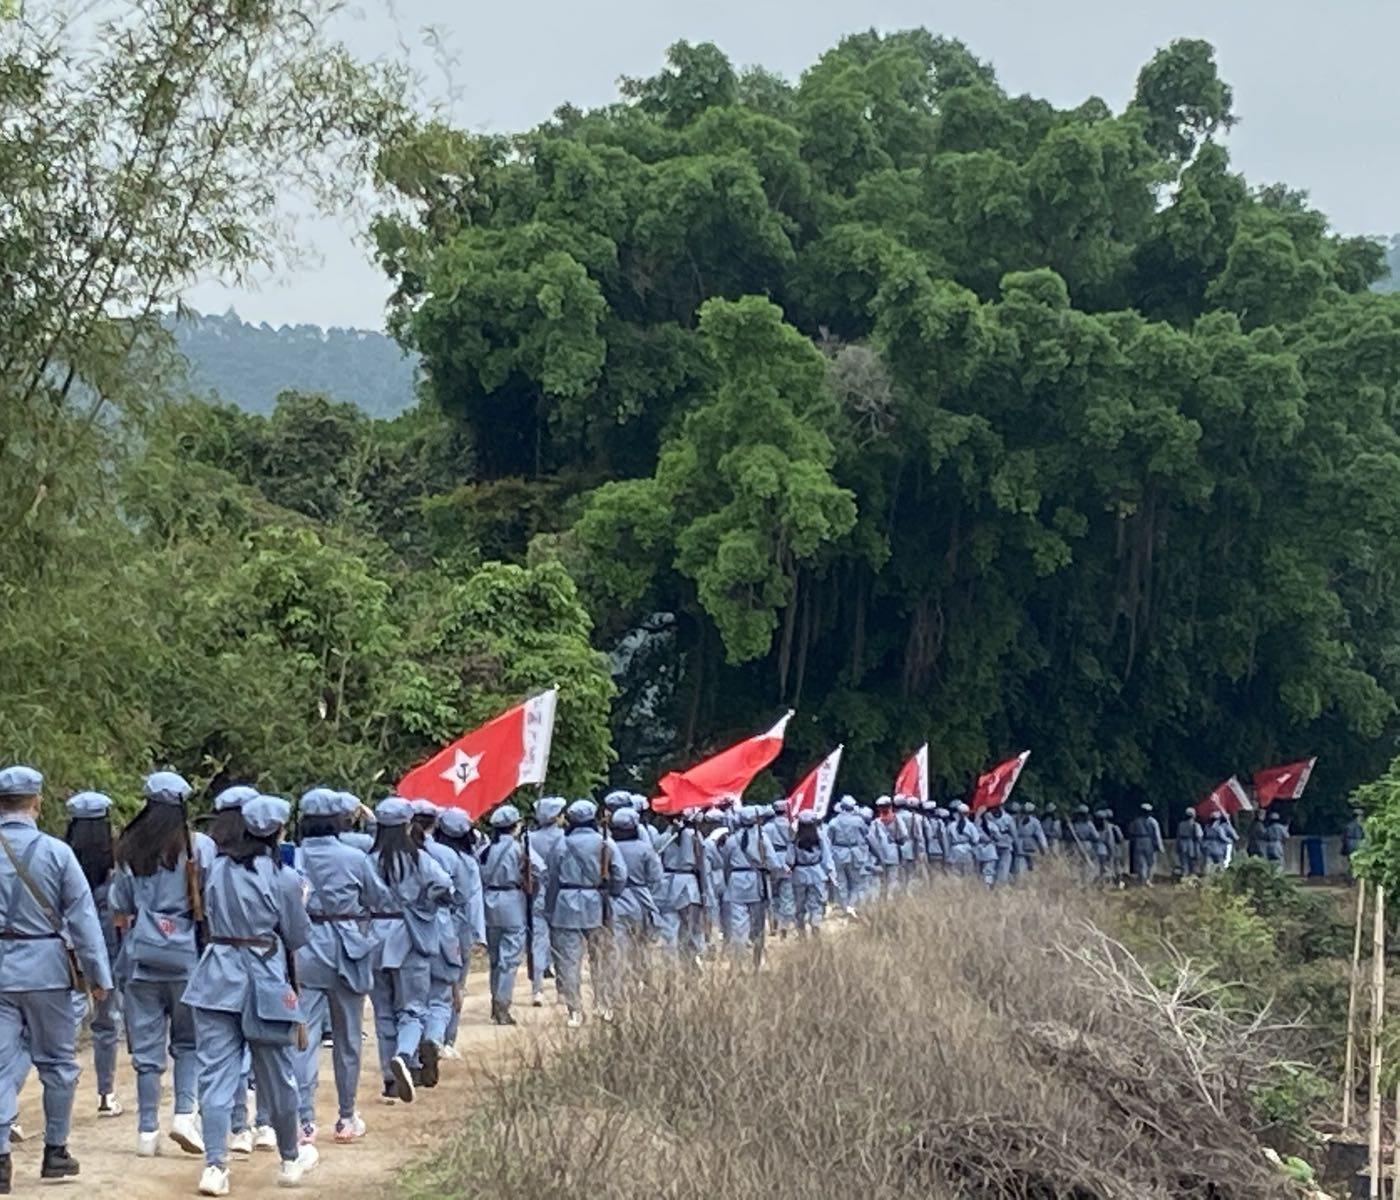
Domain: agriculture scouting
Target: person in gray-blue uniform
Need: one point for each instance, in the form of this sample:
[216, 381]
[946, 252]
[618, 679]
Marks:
[1190, 857]
[907, 831]
[1110, 838]
[1054, 828]
[936, 820]
[1220, 836]
[89, 835]
[449, 964]
[749, 863]
[1086, 838]
[652, 832]
[1000, 830]
[543, 839]
[1144, 844]
[882, 855]
[716, 826]
[813, 871]
[635, 913]
[681, 903]
[226, 829]
[779, 831]
[243, 992]
[846, 833]
[155, 898]
[48, 909]
[355, 812]
[334, 968]
[1353, 837]
[1031, 842]
[583, 877]
[454, 831]
[1273, 837]
[407, 934]
[510, 878]
[962, 837]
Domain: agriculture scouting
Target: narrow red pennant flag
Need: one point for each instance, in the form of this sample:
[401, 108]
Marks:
[995, 786]
[912, 781]
[1228, 797]
[1282, 783]
[722, 778]
[482, 767]
[813, 794]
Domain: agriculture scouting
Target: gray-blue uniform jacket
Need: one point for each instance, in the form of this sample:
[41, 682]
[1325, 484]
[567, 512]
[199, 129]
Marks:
[882, 846]
[962, 837]
[160, 942]
[811, 865]
[416, 895]
[685, 867]
[645, 880]
[1030, 836]
[748, 856]
[32, 955]
[263, 901]
[461, 923]
[583, 874]
[502, 881]
[342, 889]
[847, 835]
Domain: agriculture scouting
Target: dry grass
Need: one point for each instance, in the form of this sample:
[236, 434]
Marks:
[957, 1044]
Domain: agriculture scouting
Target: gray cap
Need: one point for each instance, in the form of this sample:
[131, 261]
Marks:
[88, 804]
[166, 787]
[264, 815]
[506, 816]
[20, 781]
[234, 797]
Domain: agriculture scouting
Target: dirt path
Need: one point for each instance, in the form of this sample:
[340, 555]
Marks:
[398, 1133]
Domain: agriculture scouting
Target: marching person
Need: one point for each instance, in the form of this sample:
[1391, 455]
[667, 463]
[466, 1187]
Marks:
[1273, 837]
[682, 905]
[999, 829]
[509, 879]
[89, 835]
[48, 907]
[1190, 857]
[1031, 841]
[1110, 838]
[635, 913]
[779, 831]
[1088, 842]
[543, 839]
[454, 831]
[813, 869]
[1353, 837]
[935, 848]
[583, 876]
[156, 898]
[883, 854]
[962, 838]
[1054, 829]
[715, 824]
[1144, 844]
[243, 993]
[407, 935]
[846, 833]
[750, 863]
[356, 812]
[334, 967]
[1220, 836]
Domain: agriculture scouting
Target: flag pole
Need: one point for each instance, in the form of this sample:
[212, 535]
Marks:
[1349, 1071]
[1377, 1013]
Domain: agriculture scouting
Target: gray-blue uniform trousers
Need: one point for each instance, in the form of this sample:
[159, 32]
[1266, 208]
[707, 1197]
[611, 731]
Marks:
[846, 832]
[36, 996]
[543, 840]
[935, 842]
[454, 951]
[634, 911]
[962, 838]
[471, 931]
[901, 831]
[1190, 858]
[503, 889]
[259, 908]
[681, 900]
[784, 903]
[335, 967]
[1144, 844]
[1030, 841]
[812, 869]
[158, 955]
[882, 857]
[1219, 837]
[750, 862]
[1000, 829]
[407, 932]
[583, 876]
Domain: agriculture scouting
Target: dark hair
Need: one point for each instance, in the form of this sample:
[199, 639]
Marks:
[227, 828]
[396, 851]
[624, 835]
[155, 839]
[466, 844]
[593, 825]
[91, 839]
[501, 832]
[329, 826]
[422, 826]
[809, 837]
[250, 847]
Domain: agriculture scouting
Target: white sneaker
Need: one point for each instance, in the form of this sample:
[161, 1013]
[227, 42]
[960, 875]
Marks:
[107, 1106]
[241, 1142]
[450, 1052]
[605, 1015]
[289, 1173]
[147, 1144]
[185, 1133]
[264, 1137]
[214, 1181]
[575, 1019]
[850, 912]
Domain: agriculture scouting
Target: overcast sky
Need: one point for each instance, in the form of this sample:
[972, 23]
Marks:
[1316, 87]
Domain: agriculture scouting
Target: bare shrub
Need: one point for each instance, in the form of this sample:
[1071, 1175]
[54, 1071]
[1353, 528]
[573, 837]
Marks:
[955, 1044]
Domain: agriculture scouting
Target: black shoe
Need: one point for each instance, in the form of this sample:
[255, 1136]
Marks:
[428, 1056]
[5, 1169]
[403, 1078]
[502, 1015]
[58, 1163]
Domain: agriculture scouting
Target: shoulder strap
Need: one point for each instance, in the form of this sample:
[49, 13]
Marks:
[21, 867]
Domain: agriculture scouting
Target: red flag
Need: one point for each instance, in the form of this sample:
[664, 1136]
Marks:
[813, 794]
[995, 786]
[1228, 797]
[481, 768]
[723, 777]
[912, 781]
[1282, 783]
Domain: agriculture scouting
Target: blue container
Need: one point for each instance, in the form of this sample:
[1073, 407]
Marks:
[1315, 866]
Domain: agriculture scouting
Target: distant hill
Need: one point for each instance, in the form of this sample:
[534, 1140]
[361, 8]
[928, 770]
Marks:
[248, 365]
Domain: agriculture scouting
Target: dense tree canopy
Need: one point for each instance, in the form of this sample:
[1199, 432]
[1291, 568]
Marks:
[933, 411]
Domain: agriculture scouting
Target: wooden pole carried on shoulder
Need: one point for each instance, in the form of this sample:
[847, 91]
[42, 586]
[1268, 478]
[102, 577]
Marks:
[1353, 990]
[1377, 1013]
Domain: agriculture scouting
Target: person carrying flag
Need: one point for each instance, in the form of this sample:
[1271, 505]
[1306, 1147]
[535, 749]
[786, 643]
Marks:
[1220, 836]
